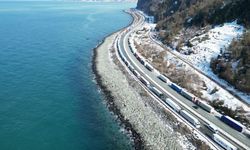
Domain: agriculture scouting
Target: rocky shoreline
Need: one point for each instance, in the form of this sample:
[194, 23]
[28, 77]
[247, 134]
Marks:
[150, 126]
[136, 137]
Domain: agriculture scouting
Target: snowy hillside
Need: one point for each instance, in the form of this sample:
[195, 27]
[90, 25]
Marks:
[210, 45]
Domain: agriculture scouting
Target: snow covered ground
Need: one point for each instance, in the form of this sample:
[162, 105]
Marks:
[229, 100]
[210, 45]
[204, 48]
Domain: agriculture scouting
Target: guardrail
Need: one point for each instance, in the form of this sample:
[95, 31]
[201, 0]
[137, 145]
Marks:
[164, 105]
[222, 131]
[184, 105]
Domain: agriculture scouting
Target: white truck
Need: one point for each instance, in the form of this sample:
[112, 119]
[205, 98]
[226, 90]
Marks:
[190, 118]
[148, 66]
[157, 92]
[137, 74]
[223, 143]
[144, 81]
[163, 78]
[173, 105]
[205, 106]
[212, 127]
[131, 68]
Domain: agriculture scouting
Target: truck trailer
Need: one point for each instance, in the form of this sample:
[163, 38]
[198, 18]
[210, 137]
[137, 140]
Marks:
[142, 61]
[205, 106]
[163, 78]
[172, 104]
[131, 68]
[148, 66]
[132, 49]
[137, 74]
[223, 143]
[175, 87]
[157, 92]
[188, 95]
[233, 123]
[190, 118]
[144, 81]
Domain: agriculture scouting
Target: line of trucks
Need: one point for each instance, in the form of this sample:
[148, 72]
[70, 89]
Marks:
[139, 57]
[159, 94]
[194, 121]
[226, 119]
[192, 98]
[175, 87]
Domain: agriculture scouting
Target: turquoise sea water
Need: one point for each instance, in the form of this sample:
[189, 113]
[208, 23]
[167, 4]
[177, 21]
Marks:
[48, 100]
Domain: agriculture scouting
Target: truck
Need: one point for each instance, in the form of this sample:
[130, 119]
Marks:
[175, 87]
[133, 50]
[148, 66]
[123, 57]
[172, 104]
[117, 44]
[223, 143]
[233, 123]
[131, 68]
[163, 78]
[144, 81]
[126, 62]
[139, 57]
[187, 95]
[129, 45]
[212, 127]
[157, 92]
[119, 52]
[205, 106]
[142, 61]
[137, 74]
[118, 48]
[195, 122]
[136, 55]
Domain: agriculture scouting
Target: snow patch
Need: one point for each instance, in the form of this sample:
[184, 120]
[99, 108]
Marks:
[207, 46]
[211, 44]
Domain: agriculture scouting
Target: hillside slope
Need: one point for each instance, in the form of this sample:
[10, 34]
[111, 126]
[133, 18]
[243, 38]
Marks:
[173, 15]
[188, 17]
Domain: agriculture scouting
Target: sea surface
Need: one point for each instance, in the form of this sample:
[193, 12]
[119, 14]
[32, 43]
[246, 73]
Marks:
[48, 99]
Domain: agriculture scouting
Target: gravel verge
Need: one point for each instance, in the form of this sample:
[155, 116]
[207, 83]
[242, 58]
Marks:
[149, 124]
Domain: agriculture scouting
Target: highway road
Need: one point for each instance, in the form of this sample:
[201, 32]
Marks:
[236, 138]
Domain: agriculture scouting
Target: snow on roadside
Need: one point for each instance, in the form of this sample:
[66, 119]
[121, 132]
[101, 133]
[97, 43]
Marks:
[229, 100]
[218, 39]
[208, 46]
